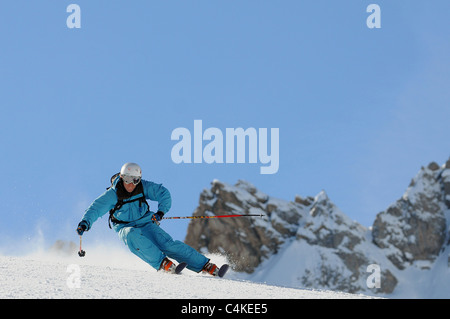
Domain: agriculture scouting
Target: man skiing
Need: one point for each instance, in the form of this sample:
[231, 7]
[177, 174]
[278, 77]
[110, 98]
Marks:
[138, 227]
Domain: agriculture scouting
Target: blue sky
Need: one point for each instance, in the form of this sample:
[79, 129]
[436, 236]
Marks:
[359, 110]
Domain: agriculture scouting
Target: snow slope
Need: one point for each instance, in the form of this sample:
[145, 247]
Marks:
[120, 274]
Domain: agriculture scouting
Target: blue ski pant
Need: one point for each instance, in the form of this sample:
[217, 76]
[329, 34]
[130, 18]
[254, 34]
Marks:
[152, 244]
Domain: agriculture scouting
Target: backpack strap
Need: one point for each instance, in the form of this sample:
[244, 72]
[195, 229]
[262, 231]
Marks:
[111, 218]
[119, 205]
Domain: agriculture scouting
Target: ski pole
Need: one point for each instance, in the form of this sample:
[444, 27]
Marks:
[215, 216]
[81, 252]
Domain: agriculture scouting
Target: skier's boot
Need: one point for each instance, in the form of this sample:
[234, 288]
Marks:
[168, 266]
[211, 269]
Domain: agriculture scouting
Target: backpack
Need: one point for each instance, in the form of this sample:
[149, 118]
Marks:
[122, 200]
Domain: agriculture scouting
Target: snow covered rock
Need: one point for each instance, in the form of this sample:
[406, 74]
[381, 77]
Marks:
[286, 232]
[414, 227]
[310, 243]
[246, 241]
[446, 183]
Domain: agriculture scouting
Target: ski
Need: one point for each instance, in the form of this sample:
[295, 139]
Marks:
[180, 268]
[223, 270]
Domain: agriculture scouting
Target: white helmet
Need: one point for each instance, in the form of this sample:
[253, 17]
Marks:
[131, 173]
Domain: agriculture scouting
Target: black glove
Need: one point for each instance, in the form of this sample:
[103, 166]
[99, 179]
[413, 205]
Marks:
[82, 227]
[156, 217]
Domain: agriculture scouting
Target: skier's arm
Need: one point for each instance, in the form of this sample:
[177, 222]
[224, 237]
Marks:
[157, 192]
[99, 207]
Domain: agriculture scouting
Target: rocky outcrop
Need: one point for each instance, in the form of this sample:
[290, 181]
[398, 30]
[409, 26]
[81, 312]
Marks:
[332, 251]
[314, 221]
[246, 241]
[414, 227]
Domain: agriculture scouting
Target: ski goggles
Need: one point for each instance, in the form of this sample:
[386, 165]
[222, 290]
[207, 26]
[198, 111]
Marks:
[131, 179]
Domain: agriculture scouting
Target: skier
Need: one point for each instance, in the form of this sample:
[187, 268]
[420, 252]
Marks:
[138, 227]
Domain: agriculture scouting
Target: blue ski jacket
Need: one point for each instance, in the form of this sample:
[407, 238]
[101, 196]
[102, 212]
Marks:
[135, 214]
